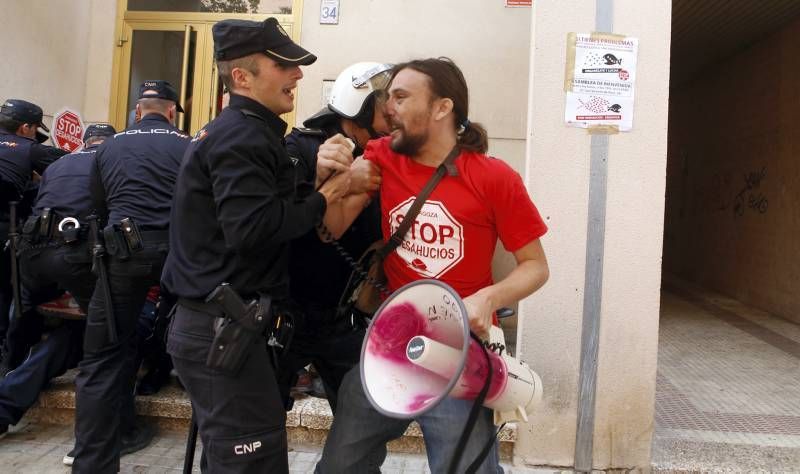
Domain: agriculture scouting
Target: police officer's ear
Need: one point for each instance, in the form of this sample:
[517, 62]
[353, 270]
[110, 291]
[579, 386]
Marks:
[172, 113]
[27, 130]
[240, 78]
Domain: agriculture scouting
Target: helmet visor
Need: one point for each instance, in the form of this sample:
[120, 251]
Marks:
[376, 78]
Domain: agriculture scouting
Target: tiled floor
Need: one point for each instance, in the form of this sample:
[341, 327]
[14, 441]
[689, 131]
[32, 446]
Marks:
[728, 386]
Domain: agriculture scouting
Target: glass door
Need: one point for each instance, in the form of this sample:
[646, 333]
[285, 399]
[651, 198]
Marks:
[165, 46]
[162, 50]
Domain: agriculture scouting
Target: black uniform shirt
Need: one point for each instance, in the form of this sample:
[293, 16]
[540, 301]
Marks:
[20, 156]
[137, 169]
[318, 273]
[235, 207]
[65, 185]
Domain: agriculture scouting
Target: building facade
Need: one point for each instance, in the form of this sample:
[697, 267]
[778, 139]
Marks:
[90, 55]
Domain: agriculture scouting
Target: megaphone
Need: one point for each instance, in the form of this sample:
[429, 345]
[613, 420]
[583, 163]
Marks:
[418, 350]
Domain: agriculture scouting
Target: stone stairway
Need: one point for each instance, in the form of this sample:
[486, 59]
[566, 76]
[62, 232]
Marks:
[307, 424]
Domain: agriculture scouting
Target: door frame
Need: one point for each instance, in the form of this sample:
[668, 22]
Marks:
[204, 68]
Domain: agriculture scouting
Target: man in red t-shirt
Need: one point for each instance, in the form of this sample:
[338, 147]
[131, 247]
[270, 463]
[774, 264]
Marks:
[452, 239]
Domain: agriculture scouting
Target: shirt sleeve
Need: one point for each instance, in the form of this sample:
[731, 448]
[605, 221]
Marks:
[42, 156]
[517, 219]
[250, 211]
[305, 152]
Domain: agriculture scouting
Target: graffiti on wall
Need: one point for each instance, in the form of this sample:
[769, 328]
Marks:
[750, 196]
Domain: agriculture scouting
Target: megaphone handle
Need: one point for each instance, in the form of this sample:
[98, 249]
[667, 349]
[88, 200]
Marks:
[473, 416]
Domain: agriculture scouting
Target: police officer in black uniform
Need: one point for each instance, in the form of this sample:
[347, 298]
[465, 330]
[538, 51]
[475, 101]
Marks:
[53, 251]
[235, 213]
[318, 271]
[132, 186]
[21, 154]
[54, 255]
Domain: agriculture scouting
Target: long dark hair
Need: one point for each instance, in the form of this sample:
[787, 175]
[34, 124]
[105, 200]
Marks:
[447, 81]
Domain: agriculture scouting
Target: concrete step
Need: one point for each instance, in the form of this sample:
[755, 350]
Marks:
[307, 423]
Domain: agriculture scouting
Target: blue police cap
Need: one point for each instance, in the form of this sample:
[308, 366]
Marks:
[23, 111]
[158, 89]
[237, 38]
[98, 130]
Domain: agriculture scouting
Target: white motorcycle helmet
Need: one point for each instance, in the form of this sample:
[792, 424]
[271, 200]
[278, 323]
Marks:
[355, 85]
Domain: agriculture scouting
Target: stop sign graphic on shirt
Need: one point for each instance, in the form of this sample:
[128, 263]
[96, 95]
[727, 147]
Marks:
[67, 130]
[435, 241]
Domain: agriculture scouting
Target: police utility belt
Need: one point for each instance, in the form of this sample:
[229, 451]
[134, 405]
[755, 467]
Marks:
[126, 238]
[52, 229]
[240, 325]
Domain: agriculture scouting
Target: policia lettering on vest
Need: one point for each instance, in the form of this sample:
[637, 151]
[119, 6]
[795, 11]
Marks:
[235, 212]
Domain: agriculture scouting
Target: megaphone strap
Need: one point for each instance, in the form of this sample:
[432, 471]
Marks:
[397, 237]
[473, 418]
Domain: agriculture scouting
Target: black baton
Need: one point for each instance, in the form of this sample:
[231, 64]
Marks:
[13, 237]
[98, 257]
[191, 442]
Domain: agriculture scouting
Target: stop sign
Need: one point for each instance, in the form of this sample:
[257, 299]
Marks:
[67, 130]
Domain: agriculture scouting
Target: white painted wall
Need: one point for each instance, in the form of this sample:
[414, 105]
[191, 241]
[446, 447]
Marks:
[558, 176]
[56, 52]
[488, 41]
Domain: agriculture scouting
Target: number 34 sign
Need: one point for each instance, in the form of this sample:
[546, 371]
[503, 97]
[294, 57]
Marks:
[329, 12]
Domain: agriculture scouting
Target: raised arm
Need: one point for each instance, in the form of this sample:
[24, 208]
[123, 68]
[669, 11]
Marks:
[529, 275]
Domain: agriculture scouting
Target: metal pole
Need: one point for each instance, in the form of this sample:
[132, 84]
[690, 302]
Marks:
[593, 284]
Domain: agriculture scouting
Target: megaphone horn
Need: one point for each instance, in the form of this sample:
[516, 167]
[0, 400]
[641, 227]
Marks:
[418, 350]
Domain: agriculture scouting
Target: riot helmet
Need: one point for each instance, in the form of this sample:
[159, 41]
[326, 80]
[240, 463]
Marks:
[353, 94]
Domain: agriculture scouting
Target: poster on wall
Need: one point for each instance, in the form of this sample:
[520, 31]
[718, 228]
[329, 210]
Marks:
[600, 80]
[519, 3]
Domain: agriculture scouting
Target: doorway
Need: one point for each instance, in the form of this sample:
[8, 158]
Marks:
[175, 43]
[728, 385]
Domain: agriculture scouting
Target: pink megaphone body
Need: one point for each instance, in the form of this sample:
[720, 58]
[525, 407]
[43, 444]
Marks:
[418, 350]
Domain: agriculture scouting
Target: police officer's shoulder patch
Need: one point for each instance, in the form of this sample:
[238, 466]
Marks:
[316, 132]
[201, 134]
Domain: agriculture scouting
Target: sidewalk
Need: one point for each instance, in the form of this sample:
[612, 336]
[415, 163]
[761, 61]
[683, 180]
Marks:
[727, 399]
[38, 448]
[728, 386]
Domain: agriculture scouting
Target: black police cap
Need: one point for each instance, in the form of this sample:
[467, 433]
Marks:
[237, 38]
[98, 130]
[23, 111]
[158, 89]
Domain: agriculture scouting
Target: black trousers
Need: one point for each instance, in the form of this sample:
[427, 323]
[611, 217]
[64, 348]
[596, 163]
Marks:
[49, 358]
[44, 274]
[106, 376]
[240, 417]
[333, 347]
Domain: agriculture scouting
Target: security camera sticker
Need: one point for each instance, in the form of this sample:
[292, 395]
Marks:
[435, 241]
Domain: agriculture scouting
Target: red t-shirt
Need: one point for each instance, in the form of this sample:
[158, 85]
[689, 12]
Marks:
[454, 235]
